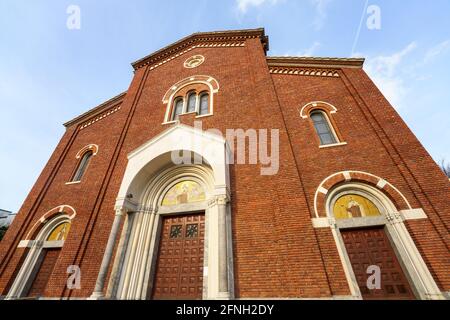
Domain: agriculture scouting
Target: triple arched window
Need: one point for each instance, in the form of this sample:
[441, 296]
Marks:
[194, 95]
[192, 102]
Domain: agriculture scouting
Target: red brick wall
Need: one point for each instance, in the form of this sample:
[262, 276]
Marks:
[10, 255]
[426, 182]
[277, 251]
[378, 142]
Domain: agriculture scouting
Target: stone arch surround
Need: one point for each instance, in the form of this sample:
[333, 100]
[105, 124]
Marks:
[148, 174]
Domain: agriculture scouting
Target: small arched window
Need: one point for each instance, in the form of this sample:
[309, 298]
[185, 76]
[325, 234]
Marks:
[323, 128]
[82, 166]
[192, 102]
[204, 104]
[178, 108]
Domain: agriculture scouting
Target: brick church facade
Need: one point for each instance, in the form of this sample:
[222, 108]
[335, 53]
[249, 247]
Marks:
[350, 205]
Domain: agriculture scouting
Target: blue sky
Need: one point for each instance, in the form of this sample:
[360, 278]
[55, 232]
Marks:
[49, 73]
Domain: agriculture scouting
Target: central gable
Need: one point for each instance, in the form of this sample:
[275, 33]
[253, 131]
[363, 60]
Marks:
[202, 39]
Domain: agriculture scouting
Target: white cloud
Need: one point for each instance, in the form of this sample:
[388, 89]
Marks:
[321, 7]
[385, 71]
[243, 5]
[441, 48]
[387, 65]
[310, 51]
[392, 74]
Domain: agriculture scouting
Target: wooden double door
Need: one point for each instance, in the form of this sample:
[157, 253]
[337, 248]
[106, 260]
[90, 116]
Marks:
[179, 267]
[371, 247]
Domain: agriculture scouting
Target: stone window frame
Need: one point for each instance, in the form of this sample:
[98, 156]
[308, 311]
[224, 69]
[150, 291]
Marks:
[200, 84]
[327, 111]
[80, 156]
[194, 61]
[190, 90]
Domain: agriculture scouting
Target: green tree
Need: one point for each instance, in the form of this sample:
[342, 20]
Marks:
[445, 167]
[2, 232]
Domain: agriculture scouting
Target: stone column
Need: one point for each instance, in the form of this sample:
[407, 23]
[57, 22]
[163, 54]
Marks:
[218, 253]
[422, 278]
[100, 283]
[223, 254]
[138, 263]
[16, 290]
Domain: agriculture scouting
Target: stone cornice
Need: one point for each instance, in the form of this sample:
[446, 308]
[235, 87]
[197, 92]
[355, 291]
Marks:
[305, 71]
[211, 39]
[98, 111]
[315, 62]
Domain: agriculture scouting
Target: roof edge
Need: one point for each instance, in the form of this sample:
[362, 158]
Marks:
[316, 61]
[171, 48]
[96, 110]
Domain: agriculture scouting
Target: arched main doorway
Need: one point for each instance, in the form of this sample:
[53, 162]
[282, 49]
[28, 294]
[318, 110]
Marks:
[165, 252]
[175, 242]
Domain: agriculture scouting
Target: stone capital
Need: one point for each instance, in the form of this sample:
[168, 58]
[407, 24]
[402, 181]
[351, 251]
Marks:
[394, 217]
[220, 200]
[332, 222]
[120, 211]
[146, 210]
[37, 244]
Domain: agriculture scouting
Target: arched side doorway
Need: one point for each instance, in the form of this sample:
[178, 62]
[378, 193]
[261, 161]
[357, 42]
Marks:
[43, 251]
[175, 243]
[372, 239]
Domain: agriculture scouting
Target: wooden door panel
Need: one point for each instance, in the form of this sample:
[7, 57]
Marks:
[370, 246]
[179, 271]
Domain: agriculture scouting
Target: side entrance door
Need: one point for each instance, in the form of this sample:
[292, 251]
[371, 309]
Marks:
[371, 246]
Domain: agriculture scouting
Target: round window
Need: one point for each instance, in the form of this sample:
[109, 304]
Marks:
[194, 61]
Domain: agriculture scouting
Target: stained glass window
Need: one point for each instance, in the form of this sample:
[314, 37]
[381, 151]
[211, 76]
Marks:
[178, 109]
[204, 104]
[82, 166]
[175, 231]
[184, 192]
[354, 206]
[323, 128]
[191, 230]
[192, 100]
